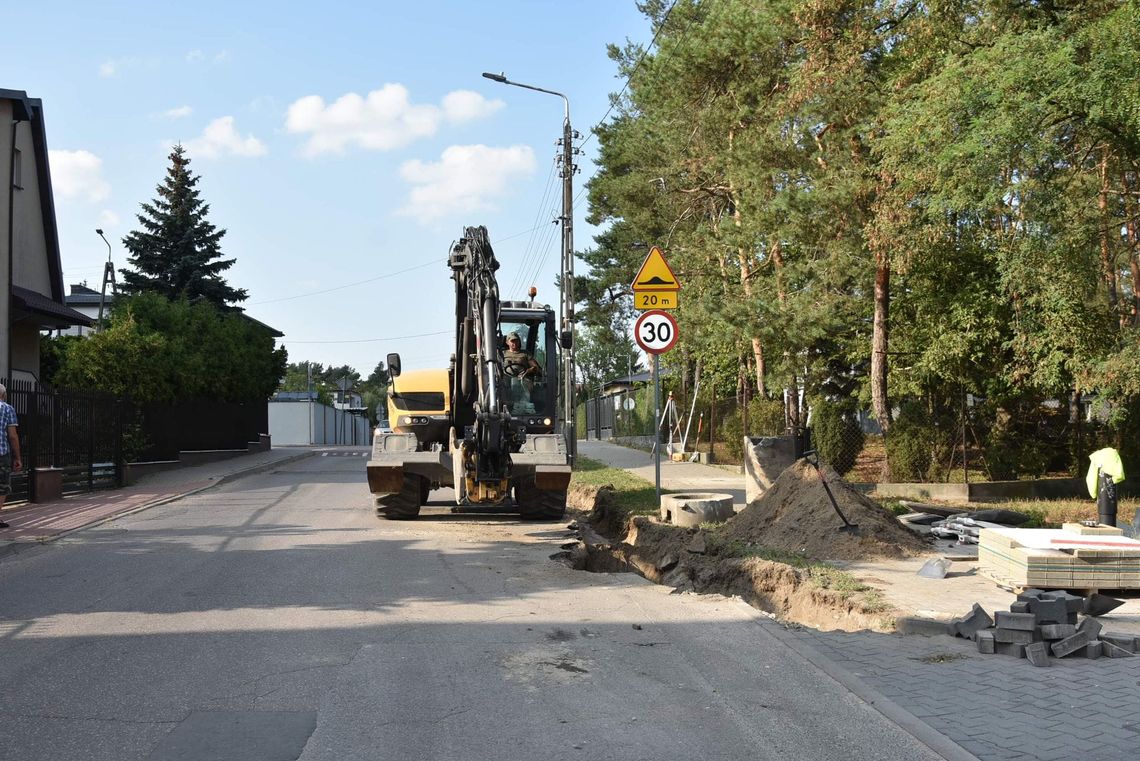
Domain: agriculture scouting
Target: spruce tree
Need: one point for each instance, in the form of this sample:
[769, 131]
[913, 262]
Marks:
[176, 251]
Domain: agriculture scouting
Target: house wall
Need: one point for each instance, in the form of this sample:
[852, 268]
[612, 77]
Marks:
[30, 265]
[25, 352]
[87, 311]
[5, 190]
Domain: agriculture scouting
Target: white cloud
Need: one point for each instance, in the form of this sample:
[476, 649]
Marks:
[108, 218]
[78, 174]
[466, 178]
[468, 105]
[194, 56]
[112, 67]
[181, 112]
[381, 121]
[222, 57]
[220, 139]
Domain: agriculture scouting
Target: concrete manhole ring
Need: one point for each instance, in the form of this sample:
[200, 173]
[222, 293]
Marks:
[694, 508]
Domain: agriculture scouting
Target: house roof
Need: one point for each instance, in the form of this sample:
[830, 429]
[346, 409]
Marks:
[294, 396]
[272, 330]
[47, 313]
[81, 295]
[629, 380]
[30, 110]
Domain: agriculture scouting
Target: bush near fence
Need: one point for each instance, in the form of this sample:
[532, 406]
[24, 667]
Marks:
[954, 438]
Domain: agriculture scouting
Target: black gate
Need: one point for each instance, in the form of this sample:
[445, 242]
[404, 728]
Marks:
[78, 433]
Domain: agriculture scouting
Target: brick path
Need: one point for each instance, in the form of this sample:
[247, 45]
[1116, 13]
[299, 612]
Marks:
[998, 707]
[32, 523]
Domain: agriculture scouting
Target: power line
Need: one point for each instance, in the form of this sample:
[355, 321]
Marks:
[371, 340]
[633, 71]
[432, 263]
[530, 250]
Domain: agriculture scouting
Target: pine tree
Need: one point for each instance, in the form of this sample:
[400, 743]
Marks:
[176, 251]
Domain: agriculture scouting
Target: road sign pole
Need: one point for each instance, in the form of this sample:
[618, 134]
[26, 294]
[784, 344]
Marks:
[657, 425]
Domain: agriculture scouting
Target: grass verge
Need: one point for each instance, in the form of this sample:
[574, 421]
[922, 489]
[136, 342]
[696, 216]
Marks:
[633, 495]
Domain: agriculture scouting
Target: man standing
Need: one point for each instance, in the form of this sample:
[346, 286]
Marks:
[9, 447]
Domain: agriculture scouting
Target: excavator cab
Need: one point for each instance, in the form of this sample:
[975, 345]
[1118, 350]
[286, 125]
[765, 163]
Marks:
[532, 400]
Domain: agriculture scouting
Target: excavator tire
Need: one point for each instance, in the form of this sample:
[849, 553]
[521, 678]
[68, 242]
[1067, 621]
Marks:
[404, 504]
[538, 504]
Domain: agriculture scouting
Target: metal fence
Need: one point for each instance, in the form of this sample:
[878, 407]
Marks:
[161, 431]
[90, 436]
[78, 433]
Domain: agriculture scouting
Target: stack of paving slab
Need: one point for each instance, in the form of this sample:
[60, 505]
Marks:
[1075, 556]
[1043, 623]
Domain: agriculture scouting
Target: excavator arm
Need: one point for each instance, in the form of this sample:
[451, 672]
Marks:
[485, 434]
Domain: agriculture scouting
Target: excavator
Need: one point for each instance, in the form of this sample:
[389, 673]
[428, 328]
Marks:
[478, 426]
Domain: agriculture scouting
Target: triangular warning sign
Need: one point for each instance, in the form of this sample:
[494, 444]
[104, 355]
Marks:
[655, 274]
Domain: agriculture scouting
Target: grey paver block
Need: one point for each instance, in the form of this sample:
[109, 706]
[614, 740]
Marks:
[1123, 641]
[1110, 650]
[1037, 654]
[1057, 631]
[1072, 644]
[1016, 649]
[1014, 635]
[1093, 650]
[1018, 621]
[1091, 626]
[973, 622]
[1073, 603]
[1050, 611]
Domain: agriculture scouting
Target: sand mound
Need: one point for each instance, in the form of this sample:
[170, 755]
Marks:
[795, 515]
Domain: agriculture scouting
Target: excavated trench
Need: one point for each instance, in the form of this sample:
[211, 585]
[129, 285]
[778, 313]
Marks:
[682, 558]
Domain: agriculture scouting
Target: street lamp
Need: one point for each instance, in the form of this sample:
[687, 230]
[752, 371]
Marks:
[108, 274]
[566, 291]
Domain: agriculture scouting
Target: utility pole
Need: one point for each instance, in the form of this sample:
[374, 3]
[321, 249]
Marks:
[566, 328]
[568, 169]
[108, 277]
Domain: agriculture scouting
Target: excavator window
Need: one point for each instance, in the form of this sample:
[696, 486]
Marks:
[527, 396]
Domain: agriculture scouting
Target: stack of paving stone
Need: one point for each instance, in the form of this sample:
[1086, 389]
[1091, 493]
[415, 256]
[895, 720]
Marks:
[1041, 623]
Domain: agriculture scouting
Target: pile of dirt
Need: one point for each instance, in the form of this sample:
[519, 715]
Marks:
[795, 515]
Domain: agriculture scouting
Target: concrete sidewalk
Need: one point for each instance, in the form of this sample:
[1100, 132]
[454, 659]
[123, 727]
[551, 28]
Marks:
[34, 523]
[675, 476]
[995, 707]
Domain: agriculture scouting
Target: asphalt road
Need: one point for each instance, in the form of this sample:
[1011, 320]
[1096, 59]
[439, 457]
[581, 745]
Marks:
[276, 618]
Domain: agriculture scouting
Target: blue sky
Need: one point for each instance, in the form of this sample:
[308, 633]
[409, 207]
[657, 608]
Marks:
[338, 143]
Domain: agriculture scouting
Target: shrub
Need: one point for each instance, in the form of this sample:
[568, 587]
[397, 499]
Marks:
[765, 418]
[836, 433]
[910, 444]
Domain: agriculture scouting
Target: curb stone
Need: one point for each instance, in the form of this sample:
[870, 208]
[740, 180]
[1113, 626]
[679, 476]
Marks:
[937, 742]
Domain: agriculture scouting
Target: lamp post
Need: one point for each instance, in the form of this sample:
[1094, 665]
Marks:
[566, 291]
[108, 274]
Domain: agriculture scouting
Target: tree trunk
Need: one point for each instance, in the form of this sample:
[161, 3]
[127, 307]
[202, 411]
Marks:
[879, 341]
[758, 355]
[1130, 233]
[1106, 263]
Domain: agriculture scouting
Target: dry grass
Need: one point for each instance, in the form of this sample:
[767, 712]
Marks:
[1054, 512]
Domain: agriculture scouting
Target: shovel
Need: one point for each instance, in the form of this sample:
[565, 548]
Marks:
[848, 527]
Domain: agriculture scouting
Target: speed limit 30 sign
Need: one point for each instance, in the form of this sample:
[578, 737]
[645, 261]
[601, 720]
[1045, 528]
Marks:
[655, 332]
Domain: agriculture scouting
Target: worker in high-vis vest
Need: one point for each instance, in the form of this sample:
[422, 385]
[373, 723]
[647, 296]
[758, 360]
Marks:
[1105, 472]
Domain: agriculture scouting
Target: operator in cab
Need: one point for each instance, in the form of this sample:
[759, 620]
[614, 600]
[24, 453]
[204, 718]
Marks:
[516, 362]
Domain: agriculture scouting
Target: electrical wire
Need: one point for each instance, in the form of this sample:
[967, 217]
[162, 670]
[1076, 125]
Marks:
[529, 252]
[371, 340]
[432, 263]
[633, 71]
